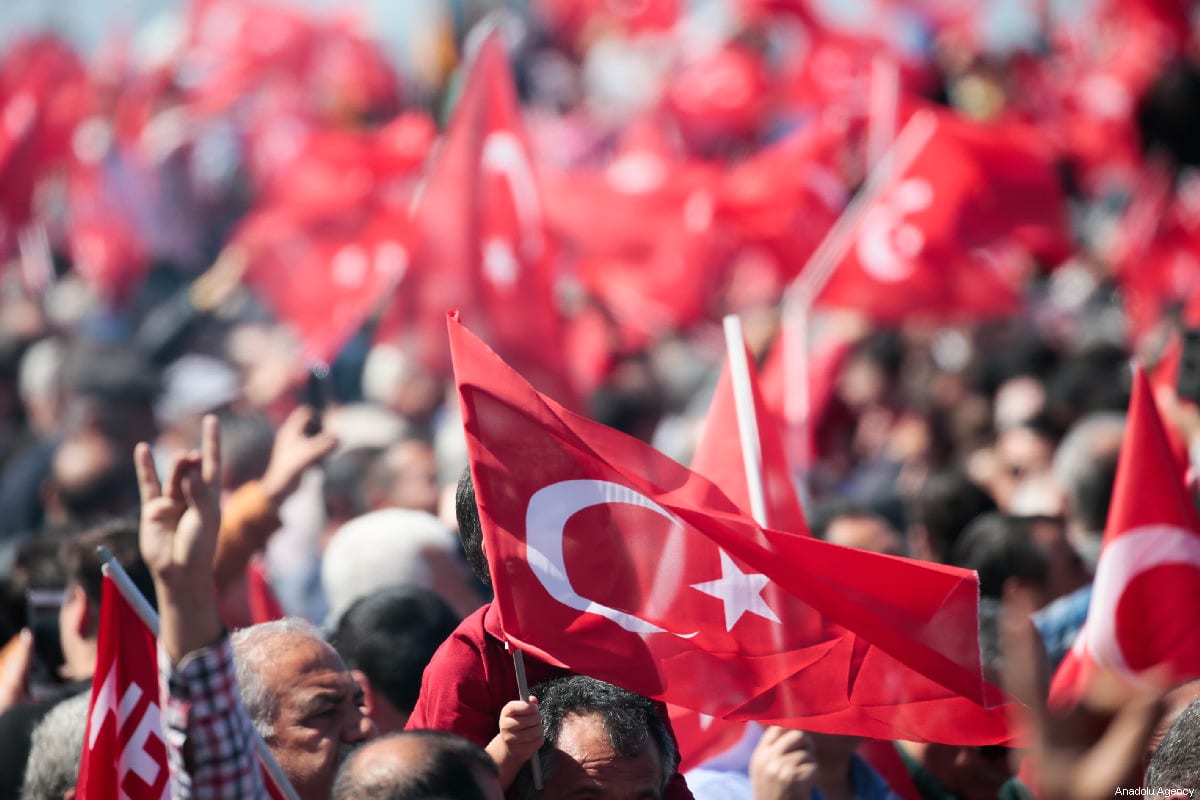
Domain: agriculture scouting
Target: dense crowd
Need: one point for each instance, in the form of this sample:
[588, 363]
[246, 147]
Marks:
[221, 252]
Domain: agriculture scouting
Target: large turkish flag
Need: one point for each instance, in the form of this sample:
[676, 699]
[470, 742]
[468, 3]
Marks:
[610, 559]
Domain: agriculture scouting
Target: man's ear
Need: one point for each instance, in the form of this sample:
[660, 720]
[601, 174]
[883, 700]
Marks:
[69, 794]
[370, 701]
[81, 616]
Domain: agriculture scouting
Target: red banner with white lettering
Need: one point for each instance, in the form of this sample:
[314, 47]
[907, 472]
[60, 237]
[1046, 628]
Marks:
[124, 754]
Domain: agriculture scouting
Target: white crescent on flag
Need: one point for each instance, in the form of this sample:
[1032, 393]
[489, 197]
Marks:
[546, 518]
[503, 155]
[1123, 559]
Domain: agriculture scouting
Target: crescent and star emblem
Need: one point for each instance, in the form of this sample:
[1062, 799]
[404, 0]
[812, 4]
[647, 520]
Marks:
[545, 521]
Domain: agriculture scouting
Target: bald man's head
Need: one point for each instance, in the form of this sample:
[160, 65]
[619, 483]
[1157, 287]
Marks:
[418, 764]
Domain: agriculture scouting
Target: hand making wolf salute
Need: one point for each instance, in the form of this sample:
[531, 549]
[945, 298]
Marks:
[178, 539]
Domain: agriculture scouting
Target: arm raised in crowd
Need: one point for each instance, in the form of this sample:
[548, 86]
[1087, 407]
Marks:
[178, 539]
[253, 510]
[210, 737]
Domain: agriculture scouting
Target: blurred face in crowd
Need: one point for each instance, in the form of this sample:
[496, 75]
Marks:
[865, 532]
[414, 469]
[1064, 569]
[971, 773]
[584, 765]
[318, 720]
[1019, 453]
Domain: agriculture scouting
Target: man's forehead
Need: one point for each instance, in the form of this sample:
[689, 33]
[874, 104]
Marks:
[586, 757]
[303, 662]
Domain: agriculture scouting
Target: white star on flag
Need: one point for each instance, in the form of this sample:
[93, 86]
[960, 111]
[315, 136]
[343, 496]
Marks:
[739, 591]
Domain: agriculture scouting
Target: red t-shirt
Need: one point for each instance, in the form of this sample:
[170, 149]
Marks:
[472, 677]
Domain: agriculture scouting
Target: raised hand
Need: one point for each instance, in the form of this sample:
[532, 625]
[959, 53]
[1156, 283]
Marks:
[1089, 751]
[293, 453]
[783, 766]
[519, 738]
[178, 539]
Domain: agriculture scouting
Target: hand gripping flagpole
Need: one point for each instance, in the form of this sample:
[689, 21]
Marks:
[137, 601]
[535, 765]
[743, 401]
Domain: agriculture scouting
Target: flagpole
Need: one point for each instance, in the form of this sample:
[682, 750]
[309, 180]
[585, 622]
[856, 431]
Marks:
[137, 601]
[821, 265]
[743, 400]
[535, 765]
[797, 398]
[884, 100]
[801, 296]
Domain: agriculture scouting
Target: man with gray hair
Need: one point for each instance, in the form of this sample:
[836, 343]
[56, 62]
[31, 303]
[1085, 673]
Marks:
[53, 762]
[1175, 765]
[1085, 466]
[297, 692]
[419, 765]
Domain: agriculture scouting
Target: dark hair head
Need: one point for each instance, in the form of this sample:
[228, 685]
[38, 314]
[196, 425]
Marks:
[470, 531]
[82, 565]
[945, 506]
[391, 636]
[630, 720]
[433, 764]
[246, 442]
[999, 547]
[1176, 762]
[93, 478]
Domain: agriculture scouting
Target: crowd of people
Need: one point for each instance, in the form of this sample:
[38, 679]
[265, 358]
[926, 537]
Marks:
[309, 532]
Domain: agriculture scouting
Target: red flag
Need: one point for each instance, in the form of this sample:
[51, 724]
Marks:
[943, 238]
[612, 560]
[324, 279]
[719, 456]
[1145, 607]
[482, 244]
[652, 258]
[124, 754]
[260, 597]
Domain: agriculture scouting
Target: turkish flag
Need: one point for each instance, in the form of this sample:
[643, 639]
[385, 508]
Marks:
[612, 560]
[124, 754]
[44, 94]
[719, 458]
[481, 239]
[1145, 607]
[782, 200]
[943, 239]
[719, 455]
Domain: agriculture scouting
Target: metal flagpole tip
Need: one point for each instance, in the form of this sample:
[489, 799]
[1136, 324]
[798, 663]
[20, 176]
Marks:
[105, 555]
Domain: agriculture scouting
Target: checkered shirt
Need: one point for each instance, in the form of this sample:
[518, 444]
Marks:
[210, 737]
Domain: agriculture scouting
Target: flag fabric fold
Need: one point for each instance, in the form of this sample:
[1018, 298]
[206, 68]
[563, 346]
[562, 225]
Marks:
[610, 559]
